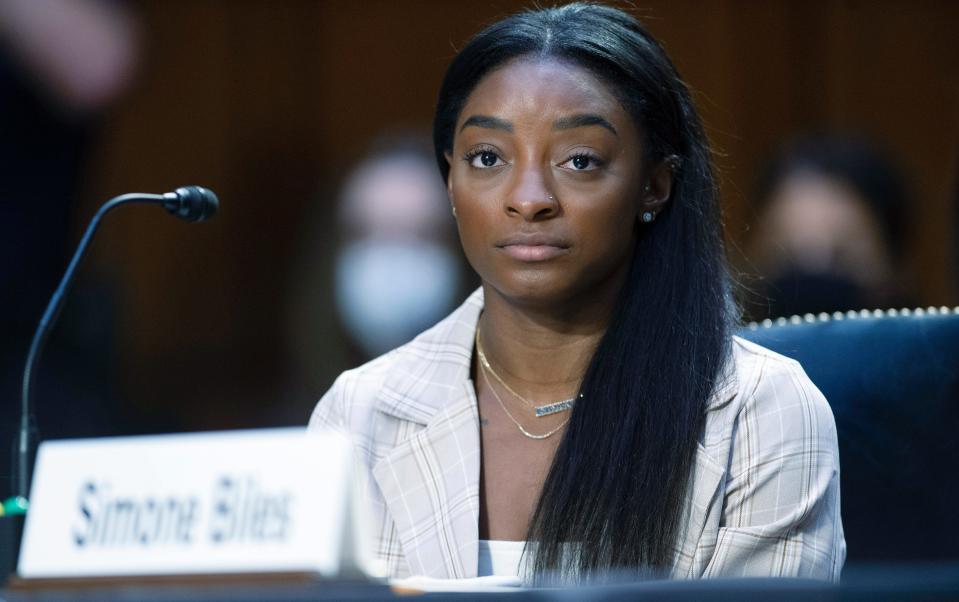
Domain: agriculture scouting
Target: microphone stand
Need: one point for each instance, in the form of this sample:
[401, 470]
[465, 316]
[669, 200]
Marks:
[43, 331]
[190, 203]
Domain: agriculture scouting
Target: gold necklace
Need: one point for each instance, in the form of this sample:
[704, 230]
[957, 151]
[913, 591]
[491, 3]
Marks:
[540, 411]
[515, 421]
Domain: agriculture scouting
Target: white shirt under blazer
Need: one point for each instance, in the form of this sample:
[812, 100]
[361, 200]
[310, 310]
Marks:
[763, 499]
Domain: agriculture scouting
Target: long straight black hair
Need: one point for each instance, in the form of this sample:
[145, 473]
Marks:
[613, 498]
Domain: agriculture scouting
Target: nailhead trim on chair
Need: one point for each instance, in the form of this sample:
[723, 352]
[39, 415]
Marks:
[854, 315]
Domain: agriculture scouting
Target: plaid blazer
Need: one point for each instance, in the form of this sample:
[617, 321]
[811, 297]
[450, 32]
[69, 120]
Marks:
[763, 498]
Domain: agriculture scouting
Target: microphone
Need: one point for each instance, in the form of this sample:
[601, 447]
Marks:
[191, 203]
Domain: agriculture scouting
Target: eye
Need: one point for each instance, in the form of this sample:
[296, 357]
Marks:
[582, 162]
[488, 159]
[483, 158]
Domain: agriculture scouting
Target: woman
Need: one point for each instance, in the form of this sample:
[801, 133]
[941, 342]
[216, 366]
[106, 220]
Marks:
[589, 402]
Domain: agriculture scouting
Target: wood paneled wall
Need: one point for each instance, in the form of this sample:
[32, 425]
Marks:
[269, 101]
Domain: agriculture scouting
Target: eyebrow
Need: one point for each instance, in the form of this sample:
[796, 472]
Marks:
[485, 121]
[564, 123]
[577, 121]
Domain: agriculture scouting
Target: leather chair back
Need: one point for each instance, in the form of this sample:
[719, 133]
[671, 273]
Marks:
[892, 379]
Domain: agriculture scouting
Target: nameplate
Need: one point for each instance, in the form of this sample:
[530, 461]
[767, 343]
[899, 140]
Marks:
[279, 500]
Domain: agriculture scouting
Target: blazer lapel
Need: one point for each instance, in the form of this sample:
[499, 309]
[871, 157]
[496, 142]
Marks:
[701, 507]
[430, 479]
[704, 498]
[430, 483]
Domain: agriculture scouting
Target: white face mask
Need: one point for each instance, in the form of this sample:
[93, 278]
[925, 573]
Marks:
[389, 291]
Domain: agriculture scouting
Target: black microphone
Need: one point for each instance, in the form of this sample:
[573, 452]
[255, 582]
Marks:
[192, 203]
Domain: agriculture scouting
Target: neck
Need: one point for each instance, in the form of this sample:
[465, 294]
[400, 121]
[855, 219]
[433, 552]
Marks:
[543, 353]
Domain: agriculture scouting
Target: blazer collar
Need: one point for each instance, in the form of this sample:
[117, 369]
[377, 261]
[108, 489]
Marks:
[430, 481]
[433, 367]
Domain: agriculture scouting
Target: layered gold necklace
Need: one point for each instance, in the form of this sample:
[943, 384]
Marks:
[539, 411]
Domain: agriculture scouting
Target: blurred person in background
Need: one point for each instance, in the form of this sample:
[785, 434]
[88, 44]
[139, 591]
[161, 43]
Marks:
[391, 270]
[831, 230]
[62, 63]
[397, 270]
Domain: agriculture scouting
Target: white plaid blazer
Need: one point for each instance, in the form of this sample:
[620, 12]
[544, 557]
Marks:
[764, 492]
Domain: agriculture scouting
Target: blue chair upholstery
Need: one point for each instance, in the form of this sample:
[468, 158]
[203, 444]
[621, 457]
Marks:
[892, 379]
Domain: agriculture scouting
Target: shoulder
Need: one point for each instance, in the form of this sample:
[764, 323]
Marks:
[752, 360]
[437, 357]
[352, 392]
[759, 379]
[768, 403]
[769, 381]
[770, 410]
[778, 413]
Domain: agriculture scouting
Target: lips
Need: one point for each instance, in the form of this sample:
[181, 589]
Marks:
[533, 246]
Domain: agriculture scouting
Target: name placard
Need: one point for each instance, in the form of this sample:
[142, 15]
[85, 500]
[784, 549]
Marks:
[278, 500]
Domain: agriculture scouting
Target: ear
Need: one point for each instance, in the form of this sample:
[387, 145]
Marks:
[449, 162]
[658, 185]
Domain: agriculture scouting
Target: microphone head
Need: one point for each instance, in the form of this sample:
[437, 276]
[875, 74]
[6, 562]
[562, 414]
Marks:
[192, 203]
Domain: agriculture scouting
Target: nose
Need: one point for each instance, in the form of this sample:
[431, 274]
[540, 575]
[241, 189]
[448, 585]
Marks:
[531, 198]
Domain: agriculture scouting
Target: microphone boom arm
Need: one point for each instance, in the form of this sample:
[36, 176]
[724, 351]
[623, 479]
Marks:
[50, 316]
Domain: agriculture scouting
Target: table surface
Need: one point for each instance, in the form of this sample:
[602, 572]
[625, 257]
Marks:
[892, 582]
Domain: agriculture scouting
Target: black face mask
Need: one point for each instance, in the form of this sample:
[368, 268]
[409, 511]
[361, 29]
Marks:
[798, 292]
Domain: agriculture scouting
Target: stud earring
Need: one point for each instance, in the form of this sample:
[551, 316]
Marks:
[646, 188]
[453, 208]
[648, 216]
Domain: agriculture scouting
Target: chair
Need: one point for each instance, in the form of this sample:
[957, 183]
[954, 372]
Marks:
[892, 379]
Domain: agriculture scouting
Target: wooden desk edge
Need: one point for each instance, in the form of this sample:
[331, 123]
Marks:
[19, 584]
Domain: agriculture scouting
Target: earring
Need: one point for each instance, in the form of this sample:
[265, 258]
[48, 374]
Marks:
[646, 188]
[648, 216]
[453, 207]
